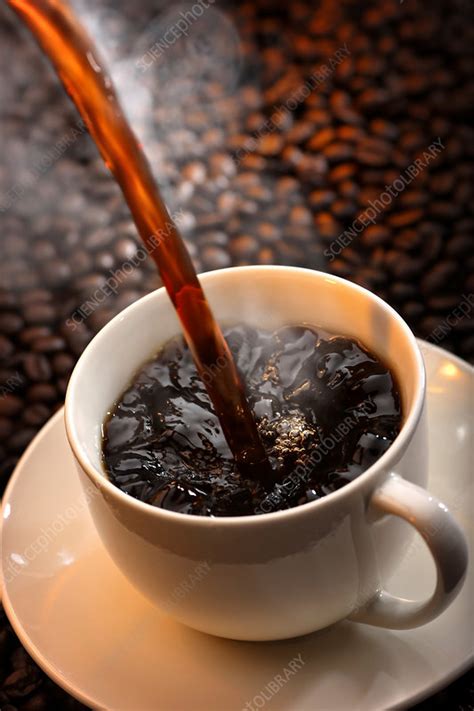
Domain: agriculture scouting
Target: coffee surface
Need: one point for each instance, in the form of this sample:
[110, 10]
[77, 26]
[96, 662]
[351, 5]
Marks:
[326, 409]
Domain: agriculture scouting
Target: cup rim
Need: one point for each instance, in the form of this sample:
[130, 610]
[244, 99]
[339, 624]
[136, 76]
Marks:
[394, 452]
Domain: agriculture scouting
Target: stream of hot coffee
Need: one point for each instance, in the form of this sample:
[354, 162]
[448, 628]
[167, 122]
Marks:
[81, 70]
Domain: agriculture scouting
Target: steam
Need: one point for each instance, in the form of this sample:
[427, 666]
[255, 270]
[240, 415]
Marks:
[166, 72]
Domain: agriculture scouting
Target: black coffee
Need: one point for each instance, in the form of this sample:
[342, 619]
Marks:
[325, 407]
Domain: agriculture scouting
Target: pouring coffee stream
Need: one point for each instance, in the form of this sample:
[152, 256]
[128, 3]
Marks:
[82, 72]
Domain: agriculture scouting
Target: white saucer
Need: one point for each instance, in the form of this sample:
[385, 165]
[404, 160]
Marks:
[105, 644]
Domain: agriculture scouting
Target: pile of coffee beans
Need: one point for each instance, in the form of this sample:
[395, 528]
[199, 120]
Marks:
[258, 168]
[271, 128]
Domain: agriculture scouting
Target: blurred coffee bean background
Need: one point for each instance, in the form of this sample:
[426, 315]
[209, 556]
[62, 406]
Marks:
[272, 129]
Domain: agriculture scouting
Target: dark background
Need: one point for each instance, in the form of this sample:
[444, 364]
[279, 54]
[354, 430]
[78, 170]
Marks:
[294, 190]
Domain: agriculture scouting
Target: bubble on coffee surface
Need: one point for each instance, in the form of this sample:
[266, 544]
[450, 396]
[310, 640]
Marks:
[326, 409]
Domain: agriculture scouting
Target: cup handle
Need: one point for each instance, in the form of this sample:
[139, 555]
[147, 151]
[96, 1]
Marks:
[446, 542]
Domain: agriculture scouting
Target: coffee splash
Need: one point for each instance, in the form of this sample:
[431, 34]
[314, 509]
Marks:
[326, 409]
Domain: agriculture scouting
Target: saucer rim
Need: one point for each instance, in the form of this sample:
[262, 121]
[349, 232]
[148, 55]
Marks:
[63, 681]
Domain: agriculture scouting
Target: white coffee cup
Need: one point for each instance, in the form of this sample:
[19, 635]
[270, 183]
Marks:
[287, 573]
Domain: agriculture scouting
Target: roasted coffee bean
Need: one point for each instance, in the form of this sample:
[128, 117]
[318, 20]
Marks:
[43, 250]
[342, 268]
[41, 392]
[443, 302]
[286, 185]
[127, 297]
[375, 235]
[15, 247]
[337, 152]
[37, 702]
[36, 367]
[270, 144]
[321, 199]
[406, 267]
[412, 310]
[321, 139]
[227, 202]
[243, 246]
[62, 383]
[408, 240]
[99, 238]
[36, 414]
[369, 156]
[343, 209]
[6, 427]
[100, 318]
[431, 246]
[6, 347]
[215, 257]
[349, 133]
[327, 227]
[33, 296]
[125, 249]
[464, 324]
[268, 232]
[56, 272]
[10, 405]
[81, 262]
[348, 189]
[353, 256]
[214, 238]
[39, 313]
[266, 255]
[103, 260]
[384, 129]
[300, 215]
[344, 171]
[439, 276]
[89, 283]
[459, 245]
[29, 335]
[195, 172]
[413, 198]
[10, 323]
[290, 254]
[77, 337]
[470, 284]
[445, 209]
[428, 326]
[7, 300]
[371, 278]
[48, 344]
[62, 363]
[10, 378]
[466, 347]
[222, 164]
[442, 183]
[21, 439]
[21, 683]
[405, 218]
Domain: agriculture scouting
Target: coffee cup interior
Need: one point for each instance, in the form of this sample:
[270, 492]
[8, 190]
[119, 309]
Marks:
[266, 297]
